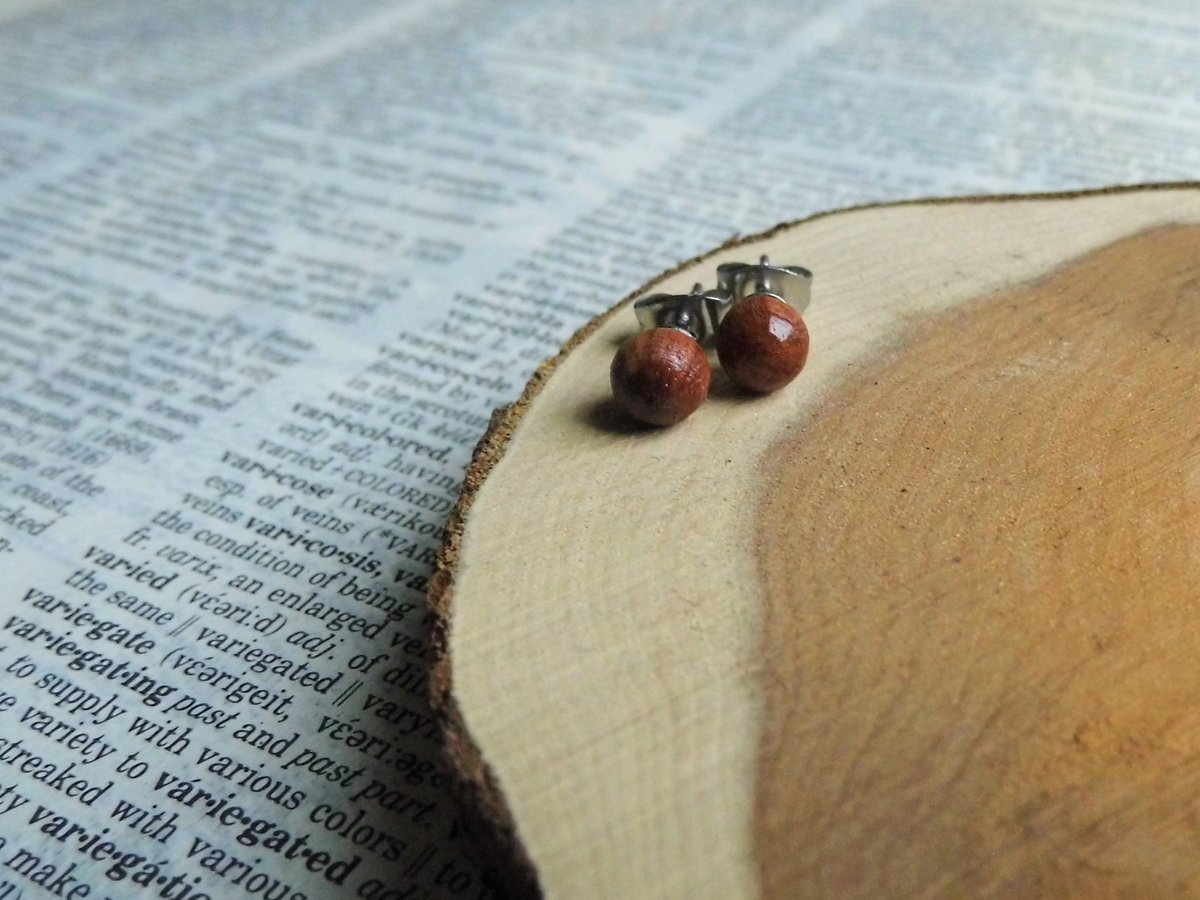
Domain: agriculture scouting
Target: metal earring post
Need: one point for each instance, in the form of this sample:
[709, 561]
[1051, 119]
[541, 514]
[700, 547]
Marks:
[696, 314]
[791, 284]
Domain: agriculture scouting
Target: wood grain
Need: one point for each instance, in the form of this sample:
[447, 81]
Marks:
[919, 624]
[982, 586]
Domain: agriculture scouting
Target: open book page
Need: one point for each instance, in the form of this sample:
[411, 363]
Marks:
[266, 268]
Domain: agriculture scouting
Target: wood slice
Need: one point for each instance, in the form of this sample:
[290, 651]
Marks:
[924, 623]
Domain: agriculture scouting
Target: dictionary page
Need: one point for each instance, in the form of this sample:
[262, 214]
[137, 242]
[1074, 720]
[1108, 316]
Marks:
[266, 269]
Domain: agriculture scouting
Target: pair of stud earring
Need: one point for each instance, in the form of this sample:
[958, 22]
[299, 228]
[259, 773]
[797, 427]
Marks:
[661, 375]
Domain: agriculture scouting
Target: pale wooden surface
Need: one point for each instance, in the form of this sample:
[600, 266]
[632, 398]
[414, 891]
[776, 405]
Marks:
[926, 623]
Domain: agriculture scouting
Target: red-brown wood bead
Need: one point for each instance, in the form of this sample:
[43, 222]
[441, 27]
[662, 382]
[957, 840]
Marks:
[660, 376]
[762, 343]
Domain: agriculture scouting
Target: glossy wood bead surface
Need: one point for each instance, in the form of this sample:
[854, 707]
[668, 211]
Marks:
[762, 343]
[660, 376]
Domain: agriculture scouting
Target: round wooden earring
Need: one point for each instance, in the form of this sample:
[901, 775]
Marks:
[763, 342]
[661, 375]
